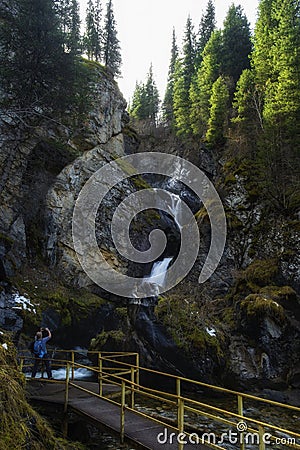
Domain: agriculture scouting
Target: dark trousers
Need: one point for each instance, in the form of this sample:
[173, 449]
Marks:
[43, 360]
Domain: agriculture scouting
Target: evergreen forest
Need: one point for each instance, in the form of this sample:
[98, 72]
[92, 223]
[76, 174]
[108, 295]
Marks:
[237, 92]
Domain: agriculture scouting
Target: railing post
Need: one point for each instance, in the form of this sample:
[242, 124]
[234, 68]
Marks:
[122, 417]
[241, 413]
[67, 388]
[178, 393]
[100, 374]
[132, 388]
[261, 432]
[73, 360]
[180, 411]
[137, 376]
[180, 421]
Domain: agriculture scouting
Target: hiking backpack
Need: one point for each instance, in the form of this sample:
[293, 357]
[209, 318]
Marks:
[38, 349]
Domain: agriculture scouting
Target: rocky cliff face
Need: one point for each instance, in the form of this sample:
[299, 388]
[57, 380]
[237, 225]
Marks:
[43, 165]
[31, 157]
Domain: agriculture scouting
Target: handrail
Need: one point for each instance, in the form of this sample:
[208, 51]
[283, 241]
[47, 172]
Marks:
[215, 409]
[216, 388]
[126, 377]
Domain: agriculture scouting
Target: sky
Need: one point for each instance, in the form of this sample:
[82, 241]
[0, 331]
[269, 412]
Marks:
[145, 33]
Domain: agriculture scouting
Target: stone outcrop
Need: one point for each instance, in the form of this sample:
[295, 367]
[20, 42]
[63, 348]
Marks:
[60, 202]
[32, 155]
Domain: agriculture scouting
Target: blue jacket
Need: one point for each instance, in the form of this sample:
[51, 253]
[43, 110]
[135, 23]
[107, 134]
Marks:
[44, 340]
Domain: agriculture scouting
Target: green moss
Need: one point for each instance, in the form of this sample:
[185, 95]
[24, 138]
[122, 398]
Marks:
[233, 221]
[128, 169]
[229, 179]
[256, 306]
[187, 326]
[229, 317]
[121, 312]
[130, 132]
[278, 293]
[6, 239]
[201, 214]
[260, 272]
[101, 339]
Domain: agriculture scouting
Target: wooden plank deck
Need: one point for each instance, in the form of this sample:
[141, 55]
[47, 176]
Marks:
[139, 431]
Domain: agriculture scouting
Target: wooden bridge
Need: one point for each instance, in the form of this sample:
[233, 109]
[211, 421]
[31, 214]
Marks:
[117, 400]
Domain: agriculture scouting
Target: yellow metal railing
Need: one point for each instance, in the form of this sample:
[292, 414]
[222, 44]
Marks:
[125, 376]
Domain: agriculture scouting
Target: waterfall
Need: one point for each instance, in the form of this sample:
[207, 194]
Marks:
[158, 272]
[176, 210]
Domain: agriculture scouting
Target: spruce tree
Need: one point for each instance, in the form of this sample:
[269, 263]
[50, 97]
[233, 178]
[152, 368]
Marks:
[152, 97]
[247, 124]
[236, 43]
[111, 46]
[145, 101]
[201, 87]
[34, 68]
[206, 28]
[281, 111]
[167, 108]
[74, 38]
[182, 81]
[218, 113]
[137, 108]
[90, 37]
[98, 30]
[263, 39]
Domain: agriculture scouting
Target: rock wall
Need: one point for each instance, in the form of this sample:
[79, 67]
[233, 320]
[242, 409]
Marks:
[33, 153]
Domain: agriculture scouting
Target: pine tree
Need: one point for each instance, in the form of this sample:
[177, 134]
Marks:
[168, 112]
[98, 31]
[62, 9]
[145, 101]
[74, 38]
[206, 28]
[152, 97]
[111, 46]
[182, 81]
[90, 37]
[218, 113]
[201, 87]
[248, 121]
[33, 61]
[236, 43]
[281, 111]
[261, 57]
[137, 108]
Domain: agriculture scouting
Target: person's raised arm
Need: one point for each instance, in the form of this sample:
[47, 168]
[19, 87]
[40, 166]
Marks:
[49, 332]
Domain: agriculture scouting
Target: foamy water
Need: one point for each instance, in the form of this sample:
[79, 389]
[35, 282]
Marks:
[60, 374]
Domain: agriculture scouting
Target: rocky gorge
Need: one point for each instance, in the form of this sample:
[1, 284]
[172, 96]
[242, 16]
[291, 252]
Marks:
[241, 328]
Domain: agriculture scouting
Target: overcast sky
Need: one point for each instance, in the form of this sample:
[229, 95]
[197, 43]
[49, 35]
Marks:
[145, 33]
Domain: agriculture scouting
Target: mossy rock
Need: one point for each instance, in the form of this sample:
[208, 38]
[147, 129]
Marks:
[260, 272]
[71, 304]
[258, 307]
[279, 293]
[99, 342]
[187, 325]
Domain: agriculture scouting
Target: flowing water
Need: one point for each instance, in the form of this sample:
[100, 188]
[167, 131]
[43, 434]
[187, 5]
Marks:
[158, 272]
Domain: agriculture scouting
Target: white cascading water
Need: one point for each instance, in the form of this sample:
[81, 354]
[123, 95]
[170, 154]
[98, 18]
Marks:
[159, 271]
[176, 210]
[60, 374]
